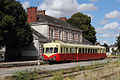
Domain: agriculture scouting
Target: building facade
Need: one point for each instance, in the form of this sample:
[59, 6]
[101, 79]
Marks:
[51, 28]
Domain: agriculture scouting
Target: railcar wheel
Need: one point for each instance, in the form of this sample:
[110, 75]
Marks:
[50, 62]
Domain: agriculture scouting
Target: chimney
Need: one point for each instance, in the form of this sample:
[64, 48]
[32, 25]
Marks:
[32, 14]
[63, 18]
[41, 12]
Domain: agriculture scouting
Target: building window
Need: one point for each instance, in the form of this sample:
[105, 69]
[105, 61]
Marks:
[66, 35]
[78, 37]
[59, 35]
[73, 36]
[51, 34]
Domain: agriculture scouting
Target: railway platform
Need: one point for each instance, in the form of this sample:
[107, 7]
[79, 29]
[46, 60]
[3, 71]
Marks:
[20, 63]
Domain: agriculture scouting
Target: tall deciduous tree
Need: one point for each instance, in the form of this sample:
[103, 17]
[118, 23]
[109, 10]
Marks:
[118, 42]
[107, 47]
[15, 32]
[83, 22]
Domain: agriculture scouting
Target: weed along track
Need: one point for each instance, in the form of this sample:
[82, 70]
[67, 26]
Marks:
[108, 72]
[97, 72]
[65, 70]
[107, 76]
[82, 72]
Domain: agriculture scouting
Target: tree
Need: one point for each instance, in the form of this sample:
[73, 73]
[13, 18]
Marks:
[15, 32]
[83, 22]
[118, 42]
[107, 47]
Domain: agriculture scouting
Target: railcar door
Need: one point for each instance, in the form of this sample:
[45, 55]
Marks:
[76, 54]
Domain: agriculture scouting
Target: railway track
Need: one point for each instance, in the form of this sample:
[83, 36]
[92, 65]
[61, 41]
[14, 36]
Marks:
[67, 68]
[74, 72]
[106, 76]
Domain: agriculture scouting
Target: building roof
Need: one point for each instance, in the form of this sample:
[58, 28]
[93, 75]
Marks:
[40, 36]
[114, 45]
[55, 21]
[86, 42]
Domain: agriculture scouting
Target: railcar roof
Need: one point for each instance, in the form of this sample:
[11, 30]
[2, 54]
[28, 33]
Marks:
[73, 45]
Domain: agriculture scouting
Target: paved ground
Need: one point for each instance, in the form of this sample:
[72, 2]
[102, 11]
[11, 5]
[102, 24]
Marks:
[19, 63]
[8, 71]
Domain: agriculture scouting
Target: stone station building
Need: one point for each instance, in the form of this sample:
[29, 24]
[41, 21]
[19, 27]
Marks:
[46, 29]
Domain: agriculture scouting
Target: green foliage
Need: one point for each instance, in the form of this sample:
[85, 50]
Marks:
[57, 76]
[83, 22]
[80, 68]
[26, 75]
[118, 42]
[107, 47]
[13, 26]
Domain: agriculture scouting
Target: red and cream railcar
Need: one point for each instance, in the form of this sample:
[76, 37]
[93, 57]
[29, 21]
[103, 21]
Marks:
[59, 51]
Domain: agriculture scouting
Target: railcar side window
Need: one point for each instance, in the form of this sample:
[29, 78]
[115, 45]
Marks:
[96, 51]
[72, 50]
[93, 50]
[82, 50]
[75, 50]
[79, 50]
[86, 50]
[90, 50]
[55, 50]
[66, 50]
[100, 51]
[103, 51]
[61, 50]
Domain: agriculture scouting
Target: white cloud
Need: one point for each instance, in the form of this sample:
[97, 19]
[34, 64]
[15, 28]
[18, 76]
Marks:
[105, 36]
[87, 7]
[93, 0]
[111, 26]
[100, 30]
[113, 15]
[108, 35]
[26, 4]
[109, 31]
[103, 22]
[58, 8]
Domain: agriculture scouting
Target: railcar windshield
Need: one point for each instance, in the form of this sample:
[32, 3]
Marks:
[51, 50]
[55, 50]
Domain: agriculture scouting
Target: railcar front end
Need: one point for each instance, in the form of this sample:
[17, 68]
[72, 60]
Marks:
[51, 52]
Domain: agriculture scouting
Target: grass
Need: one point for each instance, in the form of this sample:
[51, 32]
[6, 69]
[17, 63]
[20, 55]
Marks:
[58, 75]
[26, 75]
[95, 65]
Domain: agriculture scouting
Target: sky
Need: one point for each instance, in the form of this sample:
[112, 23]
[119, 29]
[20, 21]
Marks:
[105, 14]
